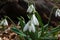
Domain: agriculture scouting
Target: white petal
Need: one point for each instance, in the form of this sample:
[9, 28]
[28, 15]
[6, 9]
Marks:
[30, 9]
[5, 22]
[26, 27]
[57, 13]
[34, 20]
[31, 27]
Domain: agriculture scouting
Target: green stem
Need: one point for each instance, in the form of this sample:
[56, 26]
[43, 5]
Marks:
[10, 20]
[51, 13]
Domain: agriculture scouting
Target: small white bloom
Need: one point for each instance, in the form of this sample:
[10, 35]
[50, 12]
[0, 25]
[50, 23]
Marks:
[34, 20]
[31, 9]
[29, 26]
[4, 22]
[57, 13]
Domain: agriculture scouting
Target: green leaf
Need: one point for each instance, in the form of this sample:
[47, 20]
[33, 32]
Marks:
[29, 16]
[54, 30]
[39, 34]
[46, 27]
[18, 32]
[40, 22]
[29, 39]
[48, 38]
[22, 22]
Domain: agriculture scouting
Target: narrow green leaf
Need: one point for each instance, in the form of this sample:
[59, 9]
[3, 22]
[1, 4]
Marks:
[46, 27]
[40, 22]
[18, 32]
[39, 34]
[53, 31]
[22, 22]
[48, 38]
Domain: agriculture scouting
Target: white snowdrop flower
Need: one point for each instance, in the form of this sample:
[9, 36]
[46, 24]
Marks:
[34, 20]
[4, 22]
[57, 13]
[31, 9]
[29, 26]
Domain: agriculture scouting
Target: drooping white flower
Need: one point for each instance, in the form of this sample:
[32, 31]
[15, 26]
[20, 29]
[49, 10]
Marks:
[34, 20]
[57, 13]
[4, 22]
[31, 9]
[29, 26]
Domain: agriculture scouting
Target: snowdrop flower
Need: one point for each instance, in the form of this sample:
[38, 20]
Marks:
[57, 13]
[4, 22]
[34, 20]
[29, 26]
[31, 9]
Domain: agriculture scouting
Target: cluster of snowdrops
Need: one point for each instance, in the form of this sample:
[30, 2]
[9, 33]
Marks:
[34, 29]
